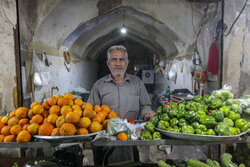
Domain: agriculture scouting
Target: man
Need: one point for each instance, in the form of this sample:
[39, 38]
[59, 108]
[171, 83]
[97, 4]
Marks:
[123, 93]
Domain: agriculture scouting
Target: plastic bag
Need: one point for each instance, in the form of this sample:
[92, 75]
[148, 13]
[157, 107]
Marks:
[245, 104]
[41, 76]
[223, 94]
[116, 125]
[234, 105]
[172, 74]
[134, 131]
[104, 136]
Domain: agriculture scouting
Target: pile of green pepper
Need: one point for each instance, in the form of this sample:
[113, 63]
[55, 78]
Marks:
[202, 115]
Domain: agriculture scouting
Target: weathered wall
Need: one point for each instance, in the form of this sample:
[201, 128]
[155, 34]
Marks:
[7, 55]
[236, 68]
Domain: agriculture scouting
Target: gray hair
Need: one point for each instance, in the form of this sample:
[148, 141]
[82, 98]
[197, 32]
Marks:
[117, 47]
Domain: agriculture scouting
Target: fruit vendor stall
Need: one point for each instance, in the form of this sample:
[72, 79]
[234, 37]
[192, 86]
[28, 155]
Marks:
[208, 120]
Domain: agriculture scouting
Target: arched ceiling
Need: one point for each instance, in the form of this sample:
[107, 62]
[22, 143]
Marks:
[80, 27]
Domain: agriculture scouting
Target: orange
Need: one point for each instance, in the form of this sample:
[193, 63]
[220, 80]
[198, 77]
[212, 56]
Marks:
[78, 101]
[98, 108]
[21, 112]
[52, 118]
[5, 130]
[10, 138]
[84, 122]
[95, 127]
[37, 119]
[102, 114]
[55, 132]
[72, 117]
[1, 138]
[82, 131]
[68, 96]
[5, 119]
[60, 120]
[13, 121]
[79, 111]
[75, 106]
[33, 128]
[105, 108]
[12, 113]
[45, 129]
[105, 123]
[59, 96]
[30, 113]
[45, 113]
[70, 102]
[65, 109]
[14, 130]
[67, 129]
[46, 105]
[96, 118]
[25, 127]
[38, 109]
[87, 106]
[62, 102]
[55, 109]
[121, 136]
[23, 122]
[52, 100]
[89, 113]
[33, 104]
[23, 136]
[112, 114]
[1, 126]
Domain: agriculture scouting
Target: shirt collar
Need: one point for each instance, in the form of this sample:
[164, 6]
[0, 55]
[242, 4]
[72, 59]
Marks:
[109, 78]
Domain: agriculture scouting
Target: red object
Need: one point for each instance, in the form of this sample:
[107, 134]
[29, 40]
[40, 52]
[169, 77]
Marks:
[130, 120]
[213, 59]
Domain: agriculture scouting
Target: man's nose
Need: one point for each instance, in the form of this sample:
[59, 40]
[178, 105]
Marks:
[118, 62]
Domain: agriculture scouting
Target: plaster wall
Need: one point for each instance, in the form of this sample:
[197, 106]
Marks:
[236, 66]
[82, 74]
[8, 90]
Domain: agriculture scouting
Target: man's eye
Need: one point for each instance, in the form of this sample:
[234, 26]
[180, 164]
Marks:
[113, 59]
[122, 59]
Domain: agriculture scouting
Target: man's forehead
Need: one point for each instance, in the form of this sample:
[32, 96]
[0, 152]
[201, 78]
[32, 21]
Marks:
[117, 53]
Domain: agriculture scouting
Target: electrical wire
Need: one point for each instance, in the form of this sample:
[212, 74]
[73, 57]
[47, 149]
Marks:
[192, 19]
[236, 19]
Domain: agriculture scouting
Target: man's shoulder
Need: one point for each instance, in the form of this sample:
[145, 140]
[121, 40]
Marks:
[134, 78]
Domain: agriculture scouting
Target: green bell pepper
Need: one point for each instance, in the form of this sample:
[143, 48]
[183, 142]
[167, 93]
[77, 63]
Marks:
[176, 129]
[245, 127]
[163, 125]
[182, 122]
[172, 113]
[201, 113]
[233, 115]
[150, 127]
[225, 110]
[146, 135]
[159, 110]
[190, 106]
[222, 129]
[181, 113]
[240, 123]
[210, 132]
[191, 116]
[197, 98]
[195, 125]
[199, 131]
[174, 122]
[156, 136]
[170, 129]
[164, 117]
[187, 129]
[216, 103]
[218, 115]
[228, 121]
[209, 121]
[205, 99]
[154, 120]
[232, 131]
[181, 106]
[202, 127]
[235, 107]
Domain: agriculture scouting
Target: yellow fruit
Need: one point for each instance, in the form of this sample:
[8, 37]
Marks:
[84, 122]
[23, 136]
[67, 129]
[60, 120]
[68, 96]
[72, 117]
[38, 109]
[95, 127]
[33, 128]
[52, 118]
[4, 119]
[65, 109]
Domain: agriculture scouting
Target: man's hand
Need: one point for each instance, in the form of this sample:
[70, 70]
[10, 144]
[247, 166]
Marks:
[149, 115]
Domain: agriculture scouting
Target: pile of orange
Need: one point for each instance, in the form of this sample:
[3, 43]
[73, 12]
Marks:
[59, 116]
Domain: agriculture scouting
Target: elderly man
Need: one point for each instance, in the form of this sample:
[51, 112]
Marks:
[123, 93]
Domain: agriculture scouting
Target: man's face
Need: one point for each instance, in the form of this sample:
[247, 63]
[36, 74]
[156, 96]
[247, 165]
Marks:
[117, 63]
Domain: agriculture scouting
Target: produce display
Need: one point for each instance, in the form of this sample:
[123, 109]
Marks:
[58, 116]
[225, 161]
[218, 114]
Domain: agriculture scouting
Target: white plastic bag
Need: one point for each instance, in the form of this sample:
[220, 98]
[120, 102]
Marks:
[41, 72]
